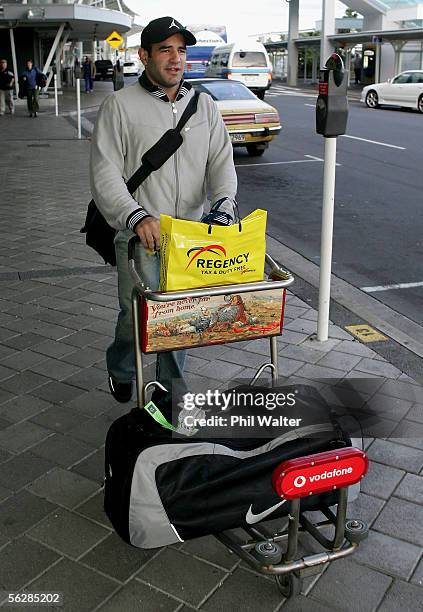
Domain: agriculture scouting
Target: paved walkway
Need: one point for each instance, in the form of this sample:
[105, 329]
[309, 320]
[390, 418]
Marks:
[57, 311]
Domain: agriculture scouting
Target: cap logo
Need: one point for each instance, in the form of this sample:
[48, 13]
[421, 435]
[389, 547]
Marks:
[173, 24]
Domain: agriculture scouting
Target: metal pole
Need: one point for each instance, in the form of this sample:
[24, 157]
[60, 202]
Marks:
[377, 63]
[78, 105]
[274, 359]
[56, 102]
[15, 66]
[326, 238]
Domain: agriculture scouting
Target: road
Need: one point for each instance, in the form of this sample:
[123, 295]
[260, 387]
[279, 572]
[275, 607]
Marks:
[378, 217]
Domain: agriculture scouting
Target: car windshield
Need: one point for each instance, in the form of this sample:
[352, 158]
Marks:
[224, 90]
[249, 59]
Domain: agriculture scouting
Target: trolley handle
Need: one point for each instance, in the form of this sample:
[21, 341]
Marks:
[279, 279]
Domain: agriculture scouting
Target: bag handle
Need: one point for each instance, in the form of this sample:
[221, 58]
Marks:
[235, 203]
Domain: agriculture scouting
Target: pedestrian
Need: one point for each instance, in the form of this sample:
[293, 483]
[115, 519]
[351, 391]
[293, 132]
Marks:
[128, 124]
[88, 72]
[118, 77]
[357, 65]
[7, 82]
[31, 79]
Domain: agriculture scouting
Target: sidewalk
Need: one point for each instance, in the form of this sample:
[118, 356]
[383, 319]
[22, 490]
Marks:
[58, 306]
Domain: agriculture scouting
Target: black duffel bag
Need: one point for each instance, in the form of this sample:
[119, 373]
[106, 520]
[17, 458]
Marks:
[160, 490]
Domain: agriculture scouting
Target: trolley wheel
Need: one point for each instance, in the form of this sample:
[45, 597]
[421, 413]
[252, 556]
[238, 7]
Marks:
[356, 531]
[289, 585]
[268, 553]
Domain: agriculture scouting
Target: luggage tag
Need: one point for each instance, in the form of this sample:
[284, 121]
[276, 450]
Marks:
[182, 428]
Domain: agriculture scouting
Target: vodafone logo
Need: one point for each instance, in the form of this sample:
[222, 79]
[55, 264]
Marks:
[320, 472]
[300, 481]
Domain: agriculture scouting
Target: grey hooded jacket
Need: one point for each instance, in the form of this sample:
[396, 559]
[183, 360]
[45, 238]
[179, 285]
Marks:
[129, 123]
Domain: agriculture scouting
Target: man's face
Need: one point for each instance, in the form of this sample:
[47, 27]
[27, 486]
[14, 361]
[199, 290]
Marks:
[165, 64]
[3, 64]
[29, 65]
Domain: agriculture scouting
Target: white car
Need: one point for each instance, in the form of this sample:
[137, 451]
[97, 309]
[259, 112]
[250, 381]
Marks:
[406, 89]
[130, 68]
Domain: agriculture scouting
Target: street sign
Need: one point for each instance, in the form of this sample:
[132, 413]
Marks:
[377, 40]
[115, 40]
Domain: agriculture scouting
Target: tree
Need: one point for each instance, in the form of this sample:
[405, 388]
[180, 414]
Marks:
[350, 13]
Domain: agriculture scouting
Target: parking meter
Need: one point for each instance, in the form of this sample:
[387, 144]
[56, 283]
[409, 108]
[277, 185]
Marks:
[331, 121]
[332, 105]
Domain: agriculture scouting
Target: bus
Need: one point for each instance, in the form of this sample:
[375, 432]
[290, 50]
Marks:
[198, 55]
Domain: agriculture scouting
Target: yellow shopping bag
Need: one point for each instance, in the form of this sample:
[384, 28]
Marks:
[194, 254]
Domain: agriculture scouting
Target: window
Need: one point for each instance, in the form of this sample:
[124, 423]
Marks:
[249, 59]
[417, 77]
[405, 77]
[225, 90]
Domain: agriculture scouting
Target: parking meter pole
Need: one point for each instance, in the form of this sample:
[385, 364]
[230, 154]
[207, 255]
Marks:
[78, 106]
[328, 209]
[56, 102]
[331, 121]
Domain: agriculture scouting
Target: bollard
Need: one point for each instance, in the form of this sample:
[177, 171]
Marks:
[78, 105]
[56, 102]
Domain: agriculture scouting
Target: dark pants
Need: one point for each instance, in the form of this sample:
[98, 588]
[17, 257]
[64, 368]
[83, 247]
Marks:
[357, 72]
[32, 100]
[88, 83]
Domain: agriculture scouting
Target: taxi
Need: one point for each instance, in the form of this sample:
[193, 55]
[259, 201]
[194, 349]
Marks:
[251, 123]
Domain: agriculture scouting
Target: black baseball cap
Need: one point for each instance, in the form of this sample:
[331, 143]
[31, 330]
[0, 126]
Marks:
[163, 27]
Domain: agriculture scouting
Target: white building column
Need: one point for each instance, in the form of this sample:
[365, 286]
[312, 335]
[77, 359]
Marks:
[314, 78]
[328, 29]
[58, 66]
[397, 45]
[14, 64]
[292, 49]
[348, 63]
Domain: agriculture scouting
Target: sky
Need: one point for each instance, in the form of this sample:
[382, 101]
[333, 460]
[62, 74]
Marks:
[241, 17]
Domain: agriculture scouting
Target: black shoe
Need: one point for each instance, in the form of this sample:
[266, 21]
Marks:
[122, 392]
[35, 114]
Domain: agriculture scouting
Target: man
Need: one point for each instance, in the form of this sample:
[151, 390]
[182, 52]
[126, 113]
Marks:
[357, 64]
[88, 72]
[29, 80]
[7, 82]
[129, 123]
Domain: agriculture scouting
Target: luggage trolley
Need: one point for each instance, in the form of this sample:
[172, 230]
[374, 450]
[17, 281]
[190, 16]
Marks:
[266, 551]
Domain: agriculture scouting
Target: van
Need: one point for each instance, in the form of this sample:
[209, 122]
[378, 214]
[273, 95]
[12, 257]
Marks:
[247, 62]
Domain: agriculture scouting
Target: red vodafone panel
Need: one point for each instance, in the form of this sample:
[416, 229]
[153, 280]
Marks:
[318, 473]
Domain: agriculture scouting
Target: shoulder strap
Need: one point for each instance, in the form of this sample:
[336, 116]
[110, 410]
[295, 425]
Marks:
[190, 110]
[164, 148]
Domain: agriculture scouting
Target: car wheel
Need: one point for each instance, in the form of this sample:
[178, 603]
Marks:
[420, 104]
[255, 150]
[372, 99]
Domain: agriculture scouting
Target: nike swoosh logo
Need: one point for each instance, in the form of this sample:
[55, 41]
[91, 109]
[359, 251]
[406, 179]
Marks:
[252, 518]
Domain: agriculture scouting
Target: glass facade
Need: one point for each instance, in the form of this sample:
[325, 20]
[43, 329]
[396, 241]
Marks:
[412, 56]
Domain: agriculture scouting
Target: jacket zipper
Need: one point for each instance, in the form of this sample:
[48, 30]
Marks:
[174, 111]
